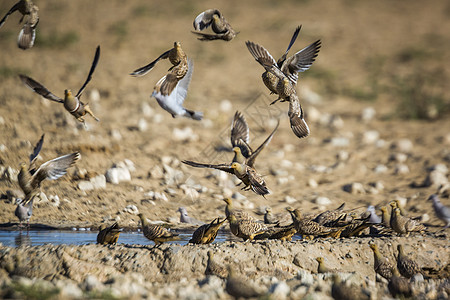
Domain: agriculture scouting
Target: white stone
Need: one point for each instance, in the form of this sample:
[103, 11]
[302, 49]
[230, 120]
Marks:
[146, 109]
[280, 290]
[290, 200]
[401, 169]
[99, 181]
[117, 175]
[368, 114]
[436, 178]
[115, 134]
[142, 125]
[309, 95]
[238, 196]
[131, 209]
[185, 134]
[380, 169]
[312, 183]
[398, 157]
[314, 114]
[85, 185]
[94, 95]
[402, 145]
[225, 105]
[342, 155]
[339, 141]
[370, 137]
[2, 120]
[54, 200]
[158, 118]
[439, 168]
[322, 201]
[336, 122]
[354, 188]
[3, 148]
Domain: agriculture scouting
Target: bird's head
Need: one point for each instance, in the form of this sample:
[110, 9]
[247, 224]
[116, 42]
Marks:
[319, 259]
[373, 247]
[177, 45]
[210, 254]
[67, 93]
[433, 198]
[393, 204]
[400, 248]
[268, 210]
[235, 165]
[216, 17]
[23, 166]
[227, 201]
[383, 209]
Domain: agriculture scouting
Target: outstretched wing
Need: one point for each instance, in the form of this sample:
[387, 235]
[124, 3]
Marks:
[261, 55]
[13, 9]
[240, 131]
[222, 167]
[36, 151]
[91, 71]
[54, 169]
[252, 158]
[39, 88]
[301, 61]
[145, 69]
[294, 37]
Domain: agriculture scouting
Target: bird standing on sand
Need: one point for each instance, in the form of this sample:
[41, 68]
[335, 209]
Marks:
[321, 268]
[108, 235]
[27, 34]
[405, 225]
[285, 89]
[398, 286]
[441, 211]
[71, 103]
[405, 265]
[185, 218]
[214, 268]
[219, 25]
[245, 228]
[282, 219]
[207, 233]
[381, 265]
[309, 229]
[156, 233]
[385, 219]
[240, 287]
[239, 213]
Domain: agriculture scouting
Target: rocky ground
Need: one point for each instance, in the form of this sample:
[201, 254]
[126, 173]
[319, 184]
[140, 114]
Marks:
[375, 100]
[281, 270]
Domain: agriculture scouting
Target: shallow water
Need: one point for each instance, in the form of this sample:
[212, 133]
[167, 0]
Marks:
[82, 237]
[76, 237]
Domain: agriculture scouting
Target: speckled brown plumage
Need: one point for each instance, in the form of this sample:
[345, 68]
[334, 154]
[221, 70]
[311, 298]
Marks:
[214, 268]
[219, 25]
[406, 266]
[156, 233]
[206, 233]
[381, 264]
[245, 228]
[398, 286]
[71, 103]
[405, 225]
[307, 227]
[108, 235]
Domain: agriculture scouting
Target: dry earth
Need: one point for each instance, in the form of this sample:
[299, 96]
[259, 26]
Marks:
[382, 55]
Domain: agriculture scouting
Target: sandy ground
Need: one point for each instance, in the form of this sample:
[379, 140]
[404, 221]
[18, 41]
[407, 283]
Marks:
[384, 55]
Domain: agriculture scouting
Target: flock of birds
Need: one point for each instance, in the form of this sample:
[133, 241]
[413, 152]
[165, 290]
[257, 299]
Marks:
[280, 77]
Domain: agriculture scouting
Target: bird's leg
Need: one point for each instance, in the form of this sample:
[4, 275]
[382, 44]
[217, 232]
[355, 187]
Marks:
[88, 110]
[275, 101]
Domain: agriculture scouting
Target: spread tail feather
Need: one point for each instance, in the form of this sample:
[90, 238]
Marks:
[196, 115]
